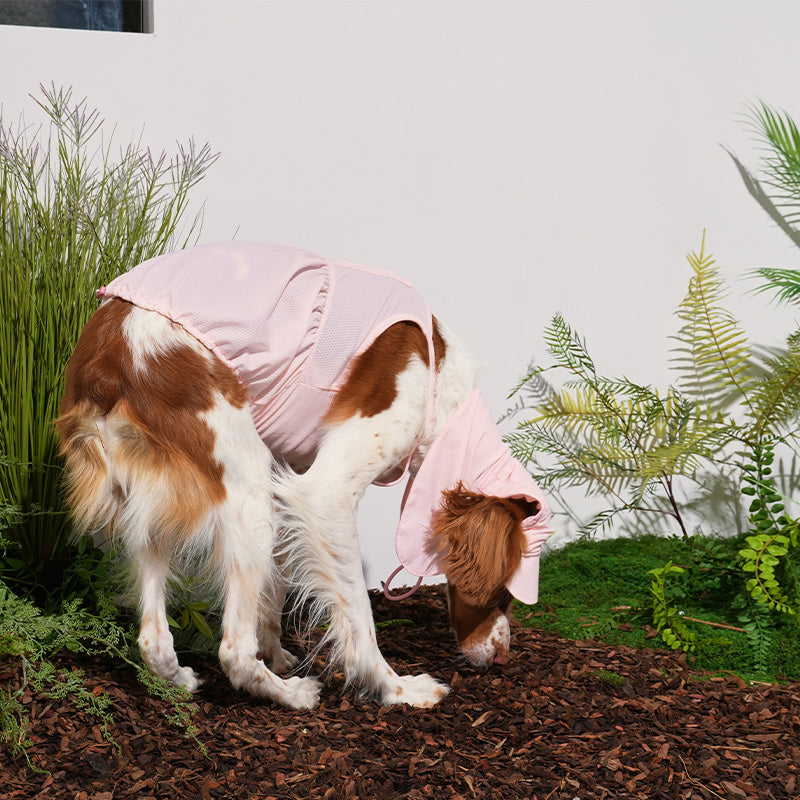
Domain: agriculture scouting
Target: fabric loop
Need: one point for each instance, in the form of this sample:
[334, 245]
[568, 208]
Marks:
[403, 596]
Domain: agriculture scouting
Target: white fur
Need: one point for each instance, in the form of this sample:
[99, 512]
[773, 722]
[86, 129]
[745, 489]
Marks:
[151, 334]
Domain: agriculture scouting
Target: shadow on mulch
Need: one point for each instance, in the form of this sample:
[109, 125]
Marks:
[563, 721]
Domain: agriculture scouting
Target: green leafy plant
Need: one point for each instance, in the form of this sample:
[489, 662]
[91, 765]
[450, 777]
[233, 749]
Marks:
[729, 408]
[624, 441]
[667, 618]
[774, 536]
[193, 618]
[632, 444]
[72, 215]
[604, 588]
[34, 637]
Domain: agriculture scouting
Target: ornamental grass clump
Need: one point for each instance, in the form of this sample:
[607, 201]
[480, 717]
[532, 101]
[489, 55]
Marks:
[75, 210]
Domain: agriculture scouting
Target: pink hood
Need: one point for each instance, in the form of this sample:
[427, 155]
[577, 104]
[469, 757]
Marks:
[470, 449]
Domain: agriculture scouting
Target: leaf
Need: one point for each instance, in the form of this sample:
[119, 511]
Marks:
[756, 542]
[713, 355]
[200, 623]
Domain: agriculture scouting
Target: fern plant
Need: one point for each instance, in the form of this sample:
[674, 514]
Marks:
[631, 444]
[625, 441]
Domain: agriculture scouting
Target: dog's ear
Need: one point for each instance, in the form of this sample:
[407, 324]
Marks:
[480, 541]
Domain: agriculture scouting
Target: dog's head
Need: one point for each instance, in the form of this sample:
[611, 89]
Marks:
[481, 543]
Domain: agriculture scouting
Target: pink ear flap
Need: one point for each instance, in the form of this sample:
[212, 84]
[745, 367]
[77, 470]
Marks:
[481, 542]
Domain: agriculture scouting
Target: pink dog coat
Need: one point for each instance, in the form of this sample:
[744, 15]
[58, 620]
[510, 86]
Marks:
[289, 324]
[286, 321]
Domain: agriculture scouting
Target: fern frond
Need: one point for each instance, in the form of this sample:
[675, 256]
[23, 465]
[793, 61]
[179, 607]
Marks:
[599, 468]
[599, 410]
[568, 348]
[581, 410]
[575, 453]
[713, 355]
[532, 374]
[776, 397]
[684, 454]
[599, 522]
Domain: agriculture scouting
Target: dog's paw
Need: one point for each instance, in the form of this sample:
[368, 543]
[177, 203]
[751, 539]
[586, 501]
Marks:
[300, 693]
[421, 691]
[188, 678]
[282, 662]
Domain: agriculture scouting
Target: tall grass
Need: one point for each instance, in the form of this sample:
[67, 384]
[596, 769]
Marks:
[75, 210]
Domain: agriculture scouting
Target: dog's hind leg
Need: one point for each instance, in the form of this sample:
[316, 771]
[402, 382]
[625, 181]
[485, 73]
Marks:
[243, 556]
[155, 639]
[270, 649]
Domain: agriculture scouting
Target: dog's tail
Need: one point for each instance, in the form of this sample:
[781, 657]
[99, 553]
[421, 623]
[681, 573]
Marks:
[92, 493]
[121, 482]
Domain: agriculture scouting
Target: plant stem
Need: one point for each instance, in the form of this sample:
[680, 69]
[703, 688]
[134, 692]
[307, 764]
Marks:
[715, 624]
[676, 512]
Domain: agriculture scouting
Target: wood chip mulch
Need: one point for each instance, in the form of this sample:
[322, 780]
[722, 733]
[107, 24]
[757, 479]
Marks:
[563, 721]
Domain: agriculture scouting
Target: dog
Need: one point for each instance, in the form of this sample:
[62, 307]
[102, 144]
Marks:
[233, 401]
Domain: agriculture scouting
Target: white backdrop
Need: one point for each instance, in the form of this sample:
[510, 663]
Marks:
[512, 159]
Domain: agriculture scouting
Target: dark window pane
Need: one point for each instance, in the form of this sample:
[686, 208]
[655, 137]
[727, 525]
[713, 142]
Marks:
[95, 15]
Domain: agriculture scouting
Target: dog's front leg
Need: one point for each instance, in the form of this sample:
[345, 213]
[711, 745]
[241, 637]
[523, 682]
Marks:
[320, 544]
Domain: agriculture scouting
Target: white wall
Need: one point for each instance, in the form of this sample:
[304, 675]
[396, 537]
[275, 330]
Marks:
[512, 159]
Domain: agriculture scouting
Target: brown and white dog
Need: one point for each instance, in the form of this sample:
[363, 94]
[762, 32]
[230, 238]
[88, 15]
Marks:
[166, 451]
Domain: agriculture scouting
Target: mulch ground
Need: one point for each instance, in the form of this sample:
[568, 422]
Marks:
[564, 720]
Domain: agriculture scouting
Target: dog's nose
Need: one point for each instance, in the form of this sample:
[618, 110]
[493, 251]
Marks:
[501, 656]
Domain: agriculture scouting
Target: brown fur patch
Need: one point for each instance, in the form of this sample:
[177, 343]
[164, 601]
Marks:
[140, 427]
[481, 541]
[371, 384]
